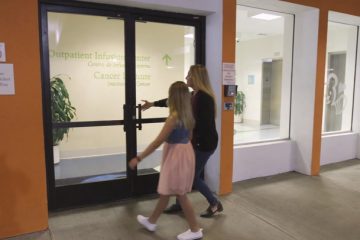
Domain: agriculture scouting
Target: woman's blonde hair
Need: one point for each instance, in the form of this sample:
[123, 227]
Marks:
[200, 80]
[180, 104]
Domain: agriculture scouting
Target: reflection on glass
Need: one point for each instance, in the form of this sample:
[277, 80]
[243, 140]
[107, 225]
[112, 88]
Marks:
[144, 137]
[164, 53]
[263, 75]
[340, 75]
[90, 60]
[87, 154]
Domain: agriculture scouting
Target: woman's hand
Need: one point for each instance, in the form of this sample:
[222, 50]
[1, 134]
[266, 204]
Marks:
[146, 105]
[134, 162]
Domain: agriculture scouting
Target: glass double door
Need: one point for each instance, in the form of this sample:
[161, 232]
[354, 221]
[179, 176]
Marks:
[97, 67]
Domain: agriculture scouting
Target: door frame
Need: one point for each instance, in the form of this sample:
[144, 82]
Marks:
[92, 193]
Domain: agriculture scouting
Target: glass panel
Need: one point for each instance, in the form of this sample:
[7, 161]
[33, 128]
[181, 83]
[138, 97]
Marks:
[90, 61]
[264, 41]
[91, 154]
[148, 133]
[340, 77]
[164, 53]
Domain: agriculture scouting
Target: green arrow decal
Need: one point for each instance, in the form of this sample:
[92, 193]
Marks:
[166, 58]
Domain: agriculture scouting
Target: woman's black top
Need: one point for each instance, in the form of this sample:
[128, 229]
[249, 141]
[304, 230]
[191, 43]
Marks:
[205, 137]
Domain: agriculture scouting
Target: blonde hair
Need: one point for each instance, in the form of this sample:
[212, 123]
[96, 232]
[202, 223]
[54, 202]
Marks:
[200, 80]
[180, 104]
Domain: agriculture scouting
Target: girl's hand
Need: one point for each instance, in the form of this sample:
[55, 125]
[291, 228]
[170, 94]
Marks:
[133, 162]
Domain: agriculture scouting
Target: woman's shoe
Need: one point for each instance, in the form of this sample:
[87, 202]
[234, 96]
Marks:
[211, 210]
[189, 235]
[145, 222]
[174, 208]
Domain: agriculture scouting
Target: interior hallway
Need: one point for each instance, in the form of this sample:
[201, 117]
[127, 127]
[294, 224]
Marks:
[286, 206]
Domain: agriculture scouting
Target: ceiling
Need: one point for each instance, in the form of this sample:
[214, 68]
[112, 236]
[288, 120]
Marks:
[248, 28]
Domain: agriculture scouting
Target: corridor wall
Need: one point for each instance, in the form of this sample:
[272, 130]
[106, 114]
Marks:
[326, 148]
[311, 21]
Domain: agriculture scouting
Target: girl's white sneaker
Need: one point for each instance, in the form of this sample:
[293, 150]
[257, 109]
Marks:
[145, 222]
[189, 235]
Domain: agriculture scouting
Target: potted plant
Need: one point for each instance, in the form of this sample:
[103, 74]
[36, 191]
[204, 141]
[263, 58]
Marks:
[61, 111]
[239, 106]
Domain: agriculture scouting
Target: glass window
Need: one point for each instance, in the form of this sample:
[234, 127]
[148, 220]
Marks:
[339, 77]
[264, 41]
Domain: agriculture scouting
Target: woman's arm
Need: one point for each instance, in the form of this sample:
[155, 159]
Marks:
[159, 103]
[169, 125]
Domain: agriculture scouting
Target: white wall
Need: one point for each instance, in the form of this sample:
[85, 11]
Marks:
[356, 110]
[304, 79]
[214, 66]
[337, 148]
[258, 160]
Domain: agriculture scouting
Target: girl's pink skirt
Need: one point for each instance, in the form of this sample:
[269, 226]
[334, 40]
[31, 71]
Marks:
[177, 169]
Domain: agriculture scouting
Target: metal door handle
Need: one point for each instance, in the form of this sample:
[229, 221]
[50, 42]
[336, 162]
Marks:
[139, 124]
[124, 115]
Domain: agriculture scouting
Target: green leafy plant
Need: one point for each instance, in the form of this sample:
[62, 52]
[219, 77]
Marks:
[61, 107]
[240, 103]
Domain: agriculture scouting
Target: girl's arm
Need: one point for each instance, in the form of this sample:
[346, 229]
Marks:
[169, 125]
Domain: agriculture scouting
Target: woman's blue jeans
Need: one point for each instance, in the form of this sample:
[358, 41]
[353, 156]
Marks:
[201, 159]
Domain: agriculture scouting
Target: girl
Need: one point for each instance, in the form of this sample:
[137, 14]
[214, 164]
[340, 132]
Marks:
[178, 163]
[205, 137]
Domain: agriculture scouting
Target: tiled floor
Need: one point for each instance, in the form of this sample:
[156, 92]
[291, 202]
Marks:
[288, 206]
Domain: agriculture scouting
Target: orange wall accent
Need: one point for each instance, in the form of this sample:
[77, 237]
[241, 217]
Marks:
[227, 134]
[319, 93]
[23, 200]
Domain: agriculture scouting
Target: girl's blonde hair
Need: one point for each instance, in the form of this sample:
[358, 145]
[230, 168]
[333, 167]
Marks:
[200, 80]
[180, 104]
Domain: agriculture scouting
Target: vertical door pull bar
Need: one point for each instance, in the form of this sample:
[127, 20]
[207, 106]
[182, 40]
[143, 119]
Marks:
[124, 116]
[139, 125]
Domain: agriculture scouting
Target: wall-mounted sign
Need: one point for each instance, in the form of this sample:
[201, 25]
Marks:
[2, 52]
[228, 106]
[7, 79]
[228, 73]
[251, 79]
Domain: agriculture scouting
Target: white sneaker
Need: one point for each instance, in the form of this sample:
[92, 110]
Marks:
[145, 222]
[189, 235]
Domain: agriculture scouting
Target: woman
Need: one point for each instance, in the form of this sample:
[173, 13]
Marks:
[178, 163]
[205, 137]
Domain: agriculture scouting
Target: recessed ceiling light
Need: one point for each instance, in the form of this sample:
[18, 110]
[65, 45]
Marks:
[266, 16]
